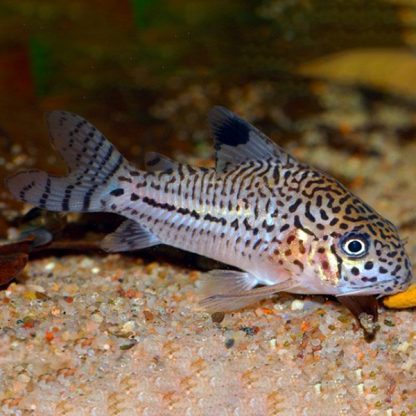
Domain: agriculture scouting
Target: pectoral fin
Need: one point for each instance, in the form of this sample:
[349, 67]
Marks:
[129, 236]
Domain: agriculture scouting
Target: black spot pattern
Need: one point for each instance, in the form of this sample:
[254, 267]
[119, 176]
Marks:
[252, 205]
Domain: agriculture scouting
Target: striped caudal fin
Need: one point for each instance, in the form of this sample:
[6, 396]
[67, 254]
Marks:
[93, 164]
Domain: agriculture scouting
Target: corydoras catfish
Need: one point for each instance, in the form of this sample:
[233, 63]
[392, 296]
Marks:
[284, 224]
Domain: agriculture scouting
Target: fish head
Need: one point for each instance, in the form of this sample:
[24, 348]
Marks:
[370, 256]
[373, 263]
[353, 250]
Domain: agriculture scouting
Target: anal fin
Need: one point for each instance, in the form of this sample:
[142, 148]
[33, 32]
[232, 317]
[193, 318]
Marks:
[129, 236]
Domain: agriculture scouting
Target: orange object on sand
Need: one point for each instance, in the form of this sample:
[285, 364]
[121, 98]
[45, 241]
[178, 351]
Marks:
[406, 299]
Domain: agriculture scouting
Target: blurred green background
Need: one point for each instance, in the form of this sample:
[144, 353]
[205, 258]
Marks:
[146, 72]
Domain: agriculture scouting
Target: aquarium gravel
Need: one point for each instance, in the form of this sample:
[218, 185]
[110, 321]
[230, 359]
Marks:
[114, 336]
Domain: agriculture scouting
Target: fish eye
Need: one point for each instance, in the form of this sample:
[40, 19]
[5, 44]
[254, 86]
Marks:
[354, 245]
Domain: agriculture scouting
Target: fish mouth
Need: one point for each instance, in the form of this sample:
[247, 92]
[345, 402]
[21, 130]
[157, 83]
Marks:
[374, 289]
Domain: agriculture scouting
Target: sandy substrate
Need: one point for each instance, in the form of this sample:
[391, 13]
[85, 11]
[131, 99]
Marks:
[111, 336]
[115, 335]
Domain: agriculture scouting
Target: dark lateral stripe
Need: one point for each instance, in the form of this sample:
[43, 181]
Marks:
[155, 204]
[186, 211]
[211, 218]
[169, 207]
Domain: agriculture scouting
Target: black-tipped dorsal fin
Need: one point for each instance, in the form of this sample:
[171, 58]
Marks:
[237, 141]
[156, 162]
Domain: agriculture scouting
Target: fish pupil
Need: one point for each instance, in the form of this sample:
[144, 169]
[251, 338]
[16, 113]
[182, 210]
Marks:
[355, 246]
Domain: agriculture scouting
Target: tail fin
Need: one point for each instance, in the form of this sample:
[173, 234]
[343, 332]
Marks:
[93, 162]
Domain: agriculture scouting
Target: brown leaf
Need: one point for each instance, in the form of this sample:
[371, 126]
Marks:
[13, 259]
[68, 245]
[11, 265]
[14, 248]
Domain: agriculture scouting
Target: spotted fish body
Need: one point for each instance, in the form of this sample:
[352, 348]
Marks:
[284, 224]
